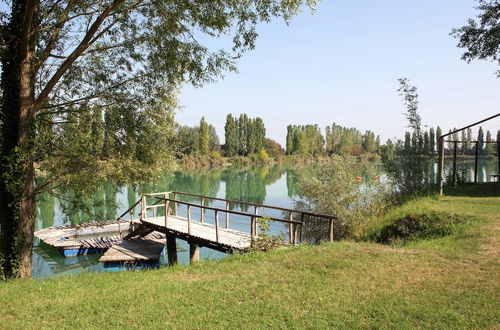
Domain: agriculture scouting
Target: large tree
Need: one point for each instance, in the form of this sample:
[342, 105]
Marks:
[131, 55]
[481, 38]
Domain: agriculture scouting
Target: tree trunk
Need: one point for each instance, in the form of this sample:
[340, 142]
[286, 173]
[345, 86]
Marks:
[17, 201]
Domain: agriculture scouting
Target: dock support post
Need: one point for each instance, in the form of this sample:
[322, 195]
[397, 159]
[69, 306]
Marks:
[290, 228]
[194, 253]
[331, 230]
[171, 250]
[475, 161]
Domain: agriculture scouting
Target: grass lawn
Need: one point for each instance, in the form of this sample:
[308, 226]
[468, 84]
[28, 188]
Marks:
[452, 281]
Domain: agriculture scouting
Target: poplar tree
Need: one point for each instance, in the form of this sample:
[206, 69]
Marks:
[480, 140]
[489, 148]
[203, 138]
[432, 141]
[231, 136]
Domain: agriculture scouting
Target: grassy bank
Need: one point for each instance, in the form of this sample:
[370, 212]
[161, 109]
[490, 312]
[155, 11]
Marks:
[447, 281]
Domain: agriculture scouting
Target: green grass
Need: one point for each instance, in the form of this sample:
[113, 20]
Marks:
[451, 281]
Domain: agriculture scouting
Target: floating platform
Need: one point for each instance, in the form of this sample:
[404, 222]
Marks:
[134, 255]
[72, 241]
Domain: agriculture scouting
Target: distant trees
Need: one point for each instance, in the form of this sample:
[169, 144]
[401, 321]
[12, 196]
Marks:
[244, 136]
[200, 139]
[304, 140]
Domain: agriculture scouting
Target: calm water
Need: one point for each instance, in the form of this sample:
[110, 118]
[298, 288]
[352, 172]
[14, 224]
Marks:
[272, 185]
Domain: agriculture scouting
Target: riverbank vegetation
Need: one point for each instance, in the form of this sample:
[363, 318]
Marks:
[431, 281]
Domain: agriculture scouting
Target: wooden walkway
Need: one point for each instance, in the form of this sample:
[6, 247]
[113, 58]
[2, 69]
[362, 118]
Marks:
[203, 234]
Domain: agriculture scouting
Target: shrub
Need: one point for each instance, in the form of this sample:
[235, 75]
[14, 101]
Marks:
[332, 189]
[417, 226]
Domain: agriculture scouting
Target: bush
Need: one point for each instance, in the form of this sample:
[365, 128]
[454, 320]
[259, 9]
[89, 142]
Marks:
[417, 226]
[332, 189]
[262, 156]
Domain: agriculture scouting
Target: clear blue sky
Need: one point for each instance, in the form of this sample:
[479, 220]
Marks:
[341, 65]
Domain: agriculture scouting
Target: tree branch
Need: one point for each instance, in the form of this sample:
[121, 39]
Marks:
[84, 44]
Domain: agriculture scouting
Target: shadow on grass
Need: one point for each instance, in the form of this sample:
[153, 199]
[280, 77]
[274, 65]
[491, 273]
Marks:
[486, 189]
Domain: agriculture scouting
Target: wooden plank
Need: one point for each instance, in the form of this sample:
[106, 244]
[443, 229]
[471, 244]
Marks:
[204, 231]
[133, 250]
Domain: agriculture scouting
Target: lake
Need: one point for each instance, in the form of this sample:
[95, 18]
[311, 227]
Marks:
[268, 184]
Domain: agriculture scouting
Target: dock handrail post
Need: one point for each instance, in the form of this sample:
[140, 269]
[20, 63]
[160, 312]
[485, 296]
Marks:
[290, 228]
[166, 213]
[331, 229]
[175, 204]
[202, 213]
[256, 212]
[227, 215]
[189, 218]
[252, 238]
[217, 226]
[143, 207]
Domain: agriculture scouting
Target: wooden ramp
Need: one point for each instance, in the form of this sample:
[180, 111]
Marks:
[133, 250]
[202, 233]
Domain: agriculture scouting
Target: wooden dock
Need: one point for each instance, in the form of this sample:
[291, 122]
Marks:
[139, 245]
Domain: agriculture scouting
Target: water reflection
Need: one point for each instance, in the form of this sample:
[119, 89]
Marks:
[270, 184]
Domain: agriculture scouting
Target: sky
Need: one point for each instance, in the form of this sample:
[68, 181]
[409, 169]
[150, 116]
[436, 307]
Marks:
[341, 64]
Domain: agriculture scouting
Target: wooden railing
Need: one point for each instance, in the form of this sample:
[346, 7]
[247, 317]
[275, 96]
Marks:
[300, 213]
[253, 218]
[170, 206]
[131, 211]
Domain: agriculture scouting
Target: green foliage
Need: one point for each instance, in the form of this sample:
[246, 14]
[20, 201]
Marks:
[273, 148]
[481, 39]
[387, 152]
[203, 138]
[305, 140]
[244, 136]
[332, 189]
[419, 226]
[447, 282]
[410, 172]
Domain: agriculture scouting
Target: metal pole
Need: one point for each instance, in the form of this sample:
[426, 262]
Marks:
[498, 155]
[290, 229]
[475, 163]
[227, 215]
[454, 180]
[441, 164]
